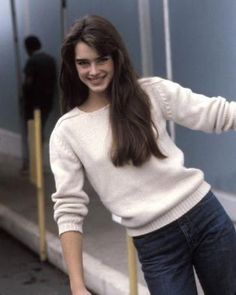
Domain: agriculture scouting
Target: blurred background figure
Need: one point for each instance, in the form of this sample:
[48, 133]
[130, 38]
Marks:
[37, 90]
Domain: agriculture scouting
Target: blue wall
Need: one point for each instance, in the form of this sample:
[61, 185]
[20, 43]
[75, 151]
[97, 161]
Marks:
[8, 82]
[204, 59]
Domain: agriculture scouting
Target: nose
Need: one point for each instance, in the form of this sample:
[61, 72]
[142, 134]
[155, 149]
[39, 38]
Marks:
[93, 69]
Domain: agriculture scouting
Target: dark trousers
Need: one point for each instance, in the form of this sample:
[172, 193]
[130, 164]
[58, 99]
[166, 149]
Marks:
[204, 238]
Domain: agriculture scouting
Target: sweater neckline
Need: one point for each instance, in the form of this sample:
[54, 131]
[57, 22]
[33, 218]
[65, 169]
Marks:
[94, 112]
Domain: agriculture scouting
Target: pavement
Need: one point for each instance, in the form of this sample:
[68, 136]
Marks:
[105, 251]
[22, 273]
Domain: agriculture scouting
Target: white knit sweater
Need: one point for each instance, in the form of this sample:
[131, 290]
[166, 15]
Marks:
[144, 198]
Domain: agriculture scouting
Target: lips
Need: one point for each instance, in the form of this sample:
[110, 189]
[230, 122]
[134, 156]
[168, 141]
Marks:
[96, 80]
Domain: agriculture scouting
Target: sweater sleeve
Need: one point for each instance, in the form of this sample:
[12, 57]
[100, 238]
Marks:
[196, 111]
[70, 200]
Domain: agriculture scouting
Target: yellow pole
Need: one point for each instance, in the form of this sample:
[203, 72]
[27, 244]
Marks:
[31, 145]
[38, 149]
[41, 221]
[132, 266]
[40, 185]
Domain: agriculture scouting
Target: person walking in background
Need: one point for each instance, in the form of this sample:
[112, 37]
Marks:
[38, 89]
[113, 130]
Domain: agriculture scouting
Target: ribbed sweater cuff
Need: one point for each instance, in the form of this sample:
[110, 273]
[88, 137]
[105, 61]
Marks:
[64, 227]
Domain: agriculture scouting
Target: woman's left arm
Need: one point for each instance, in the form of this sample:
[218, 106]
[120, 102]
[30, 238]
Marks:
[196, 111]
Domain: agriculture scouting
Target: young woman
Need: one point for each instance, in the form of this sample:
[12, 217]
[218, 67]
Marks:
[114, 131]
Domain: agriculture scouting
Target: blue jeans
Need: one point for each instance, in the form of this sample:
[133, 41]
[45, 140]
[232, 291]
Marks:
[204, 238]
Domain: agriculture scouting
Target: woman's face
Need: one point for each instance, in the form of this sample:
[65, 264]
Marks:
[95, 71]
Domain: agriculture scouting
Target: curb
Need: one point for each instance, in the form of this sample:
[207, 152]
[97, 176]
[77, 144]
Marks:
[99, 277]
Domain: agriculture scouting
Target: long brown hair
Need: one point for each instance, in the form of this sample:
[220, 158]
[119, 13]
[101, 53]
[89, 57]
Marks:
[133, 132]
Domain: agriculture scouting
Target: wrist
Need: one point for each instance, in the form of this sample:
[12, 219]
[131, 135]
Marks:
[77, 286]
[80, 292]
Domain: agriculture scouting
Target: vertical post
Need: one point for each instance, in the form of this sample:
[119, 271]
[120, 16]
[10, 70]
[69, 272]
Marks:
[27, 20]
[41, 221]
[32, 156]
[63, 18]
[145, 37]
[167, 40]
[17, 55]
[40, 185]
[169, 72]
[132, 267]
[38, 149]
[132, 264]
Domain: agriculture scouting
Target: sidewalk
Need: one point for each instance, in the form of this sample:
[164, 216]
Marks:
[105, 254]
[23, 273]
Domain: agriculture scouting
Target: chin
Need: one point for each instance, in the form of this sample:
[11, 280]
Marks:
[99, 89]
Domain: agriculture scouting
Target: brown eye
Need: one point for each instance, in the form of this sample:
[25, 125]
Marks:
[82, 63]
[104, 59]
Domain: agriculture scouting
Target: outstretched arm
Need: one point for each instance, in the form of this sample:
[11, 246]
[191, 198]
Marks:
[195, 111]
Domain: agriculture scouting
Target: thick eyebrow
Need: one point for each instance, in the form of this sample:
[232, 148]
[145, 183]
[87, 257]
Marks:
[87, 60]
[81, 59]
